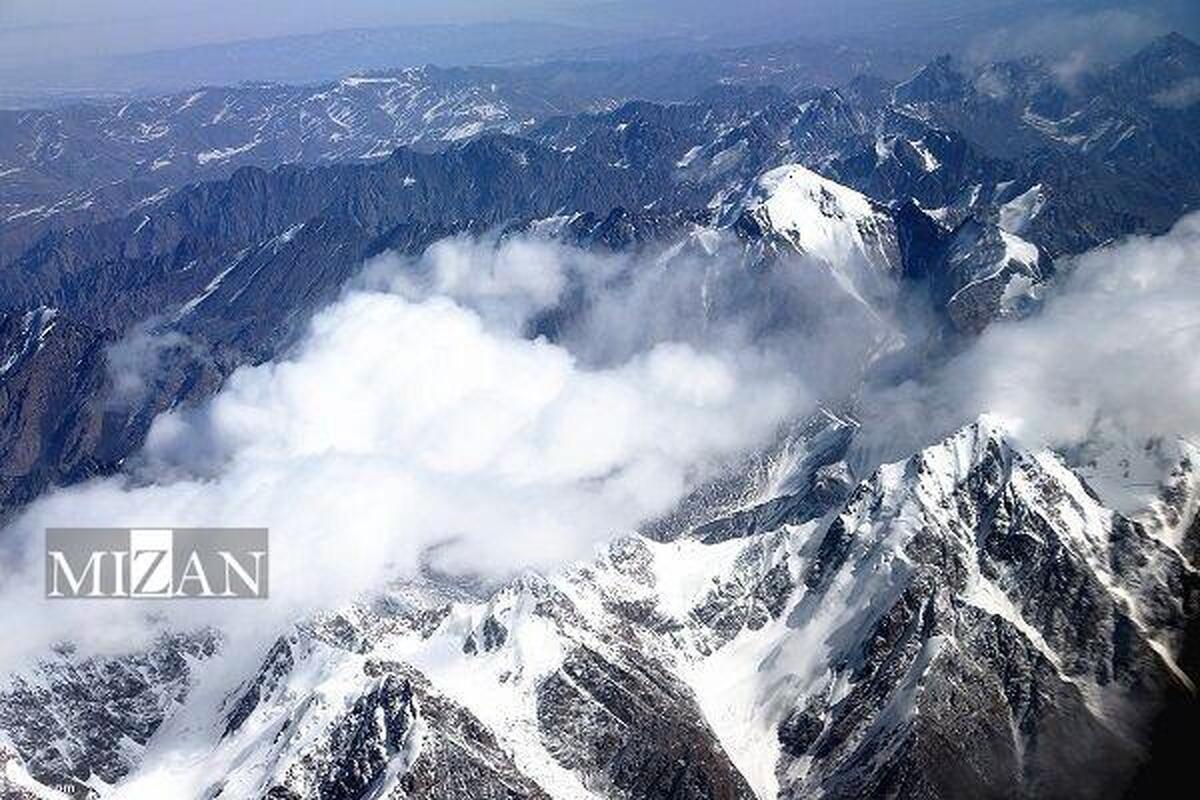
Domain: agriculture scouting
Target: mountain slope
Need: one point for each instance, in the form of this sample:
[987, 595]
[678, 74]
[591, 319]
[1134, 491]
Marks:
[794, 208]
[967, 621]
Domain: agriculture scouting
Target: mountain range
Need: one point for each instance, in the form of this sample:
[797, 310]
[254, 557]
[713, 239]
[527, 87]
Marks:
[982, 617]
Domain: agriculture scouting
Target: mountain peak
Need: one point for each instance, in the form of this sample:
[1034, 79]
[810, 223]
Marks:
[939, 79]
[1173, 42]
[1175, 53]
[786, 190]
[818, 217]
[958, 454]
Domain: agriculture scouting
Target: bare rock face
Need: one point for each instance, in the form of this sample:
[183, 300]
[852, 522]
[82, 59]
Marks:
[632, 731]
[461, 759]
[52, 377]
[401, 733]
[71, 720]
[1020, 645]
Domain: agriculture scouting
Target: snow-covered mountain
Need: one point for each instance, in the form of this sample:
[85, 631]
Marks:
[91, 160]
[792, 207]
[969, 621]
[979, 272]
[967, 142]
[982, 617]
[118, 155]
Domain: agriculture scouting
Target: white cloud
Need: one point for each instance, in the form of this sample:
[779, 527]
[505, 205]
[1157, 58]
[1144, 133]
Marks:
[1181, 95]
[1114, 349]
[133, 360]
[409, 420]
[504, 281]
[1119, 341]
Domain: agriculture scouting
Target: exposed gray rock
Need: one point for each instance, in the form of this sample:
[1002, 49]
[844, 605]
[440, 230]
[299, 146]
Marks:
[72, 719]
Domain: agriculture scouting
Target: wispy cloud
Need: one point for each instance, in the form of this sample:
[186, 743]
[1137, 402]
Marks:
[1183, 94]
[1073, 44]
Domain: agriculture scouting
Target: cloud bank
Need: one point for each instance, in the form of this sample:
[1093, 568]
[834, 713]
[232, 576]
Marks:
[414, 423]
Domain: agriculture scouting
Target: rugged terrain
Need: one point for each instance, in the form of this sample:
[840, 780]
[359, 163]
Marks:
[981, 617]
[972, 620]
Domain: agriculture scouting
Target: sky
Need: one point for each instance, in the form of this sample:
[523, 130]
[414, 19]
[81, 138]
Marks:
[93, 27]
[47, 37]
[118, 26]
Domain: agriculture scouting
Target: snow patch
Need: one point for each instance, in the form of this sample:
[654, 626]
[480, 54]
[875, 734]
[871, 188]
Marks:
[1016, 214]
[225, 153]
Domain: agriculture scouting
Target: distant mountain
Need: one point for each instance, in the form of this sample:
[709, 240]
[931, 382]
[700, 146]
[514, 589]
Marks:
[305, 58]
[933, 136]
[87, 161]
[1121, 132]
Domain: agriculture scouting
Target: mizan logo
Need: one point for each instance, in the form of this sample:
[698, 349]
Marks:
[156, 563]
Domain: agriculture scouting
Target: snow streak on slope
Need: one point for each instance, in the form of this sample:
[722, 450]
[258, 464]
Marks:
[1016, 214]
[822, 218]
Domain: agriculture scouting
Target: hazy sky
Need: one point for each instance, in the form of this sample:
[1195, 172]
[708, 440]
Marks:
[116, 26]
[88, 27]
[50, 39]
